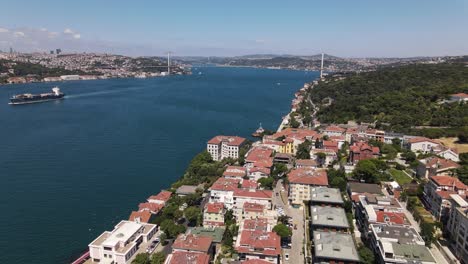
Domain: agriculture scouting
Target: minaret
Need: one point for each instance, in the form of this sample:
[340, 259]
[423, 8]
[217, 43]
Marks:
[321, 68]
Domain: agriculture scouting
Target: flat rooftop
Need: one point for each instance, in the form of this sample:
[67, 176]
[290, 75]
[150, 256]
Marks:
[123, 232]
[400, 234]
[215, 233]
[417, 253]
[335, 246]
[326, 195]
[329, 216]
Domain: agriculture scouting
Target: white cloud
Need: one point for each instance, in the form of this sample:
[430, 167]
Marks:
[76, 36]
[4, 30]
[18, 34]
[68, 31]
[260, 41]
[43, 29]
[52, 34]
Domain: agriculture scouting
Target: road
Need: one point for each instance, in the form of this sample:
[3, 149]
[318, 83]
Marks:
[296, 255]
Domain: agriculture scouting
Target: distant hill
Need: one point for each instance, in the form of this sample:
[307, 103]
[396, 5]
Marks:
[402, 97]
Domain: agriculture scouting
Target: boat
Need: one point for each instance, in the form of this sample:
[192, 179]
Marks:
[37, 98]
[259, 132]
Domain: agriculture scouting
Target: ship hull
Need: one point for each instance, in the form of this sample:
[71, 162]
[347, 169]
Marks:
[21, 101]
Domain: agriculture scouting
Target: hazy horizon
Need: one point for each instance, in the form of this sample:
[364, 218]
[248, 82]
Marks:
[358, 29]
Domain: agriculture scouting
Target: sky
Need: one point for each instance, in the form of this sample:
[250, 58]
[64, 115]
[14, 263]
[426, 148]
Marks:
[357, 28]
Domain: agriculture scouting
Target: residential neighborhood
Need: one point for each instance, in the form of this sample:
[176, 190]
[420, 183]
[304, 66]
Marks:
[327, 193]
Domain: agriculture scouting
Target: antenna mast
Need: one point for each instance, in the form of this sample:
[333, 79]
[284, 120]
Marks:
[168, 63]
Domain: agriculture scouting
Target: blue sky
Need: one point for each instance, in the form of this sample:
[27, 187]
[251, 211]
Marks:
[344, 28]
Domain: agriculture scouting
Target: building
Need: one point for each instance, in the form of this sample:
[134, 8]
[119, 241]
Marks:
[140, 216]
[258, 245]
[334, 131]
[306, 164]
[222, 191]
[256, 173]
[160, 198]
[457, 227]
[459, 97]
[361, 188]
[181, 257]
[235, 172]
[325, 196]
[375, 134]
[300, 182]
[433, 166]
[398, 244]
[216, 233]
[422, 144]
[362, 151]
[333, 247]
[437, 194]
[240, 197]
[221, 147]
[120, 245]
[193, 243]
[213, 215]
[328, 218]
[259, 157]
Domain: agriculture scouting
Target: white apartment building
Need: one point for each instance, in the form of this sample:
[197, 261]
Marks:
[457, 227]
[221, 147]
[120, 245]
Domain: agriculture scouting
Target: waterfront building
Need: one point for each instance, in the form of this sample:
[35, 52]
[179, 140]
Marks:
[179, 257]
[334, 247]
[259, 157]
[120, 245]
[161, 198]
[221, 147]
[301, 181]
[140, 216]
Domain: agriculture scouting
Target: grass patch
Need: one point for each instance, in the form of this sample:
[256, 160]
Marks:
[451, 143]
[400, 176]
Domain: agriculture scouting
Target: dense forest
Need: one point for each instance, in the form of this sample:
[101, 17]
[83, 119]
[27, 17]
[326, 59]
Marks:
[402, 98]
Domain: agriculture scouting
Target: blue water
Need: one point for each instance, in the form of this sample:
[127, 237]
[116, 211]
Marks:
[71, 169]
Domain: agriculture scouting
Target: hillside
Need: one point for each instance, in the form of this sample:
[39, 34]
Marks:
[398, 98]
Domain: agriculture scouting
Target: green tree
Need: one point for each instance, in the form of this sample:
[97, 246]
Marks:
[408, 156]
[462, 173]
[366, 255]
[158, 258]
[279, 170]
[293, 122]
[339, 183]
[303, 150]
[321, 157]
[390, 151]
[141, 258]
[266, 183]
[367, 171]
[192, 213]
[427, 233]
[282, 230]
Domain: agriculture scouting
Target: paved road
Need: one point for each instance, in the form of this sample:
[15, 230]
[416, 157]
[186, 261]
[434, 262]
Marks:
[296, 255]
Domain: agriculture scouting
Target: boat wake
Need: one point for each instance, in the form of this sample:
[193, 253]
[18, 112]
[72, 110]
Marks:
[73, 96]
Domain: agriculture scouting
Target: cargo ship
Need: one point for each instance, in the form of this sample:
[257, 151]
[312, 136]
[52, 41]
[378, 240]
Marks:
[37, 98]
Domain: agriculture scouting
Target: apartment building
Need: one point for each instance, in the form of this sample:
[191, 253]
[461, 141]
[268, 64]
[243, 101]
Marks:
[221, 147]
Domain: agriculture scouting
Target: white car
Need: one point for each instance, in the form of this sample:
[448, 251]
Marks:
[286, 256]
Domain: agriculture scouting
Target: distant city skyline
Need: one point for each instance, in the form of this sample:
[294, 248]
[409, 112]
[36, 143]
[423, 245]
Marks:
[214, 28]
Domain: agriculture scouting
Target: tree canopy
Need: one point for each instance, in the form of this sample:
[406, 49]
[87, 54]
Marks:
[282, 230]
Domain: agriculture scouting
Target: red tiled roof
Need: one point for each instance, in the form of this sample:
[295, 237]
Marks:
[296, 133]
[449, 181]
[214, 208]
[391, 217]
[259, 224]
[335, 129]
[259, 154]
[445, 194]
[462, 95]
[224, 184]
[264, 243]
[249, 184]
[235, 171]
[183, 257]
[193, 243]
[308, 176]
[153, 207]
[330, 144]
[231, 140]
[144, 216]
[421, 139]
[162, 196]
[260, 169]
[361, 146]
[257, 194]
[436, 162]
[306, 162]
[253, 207]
